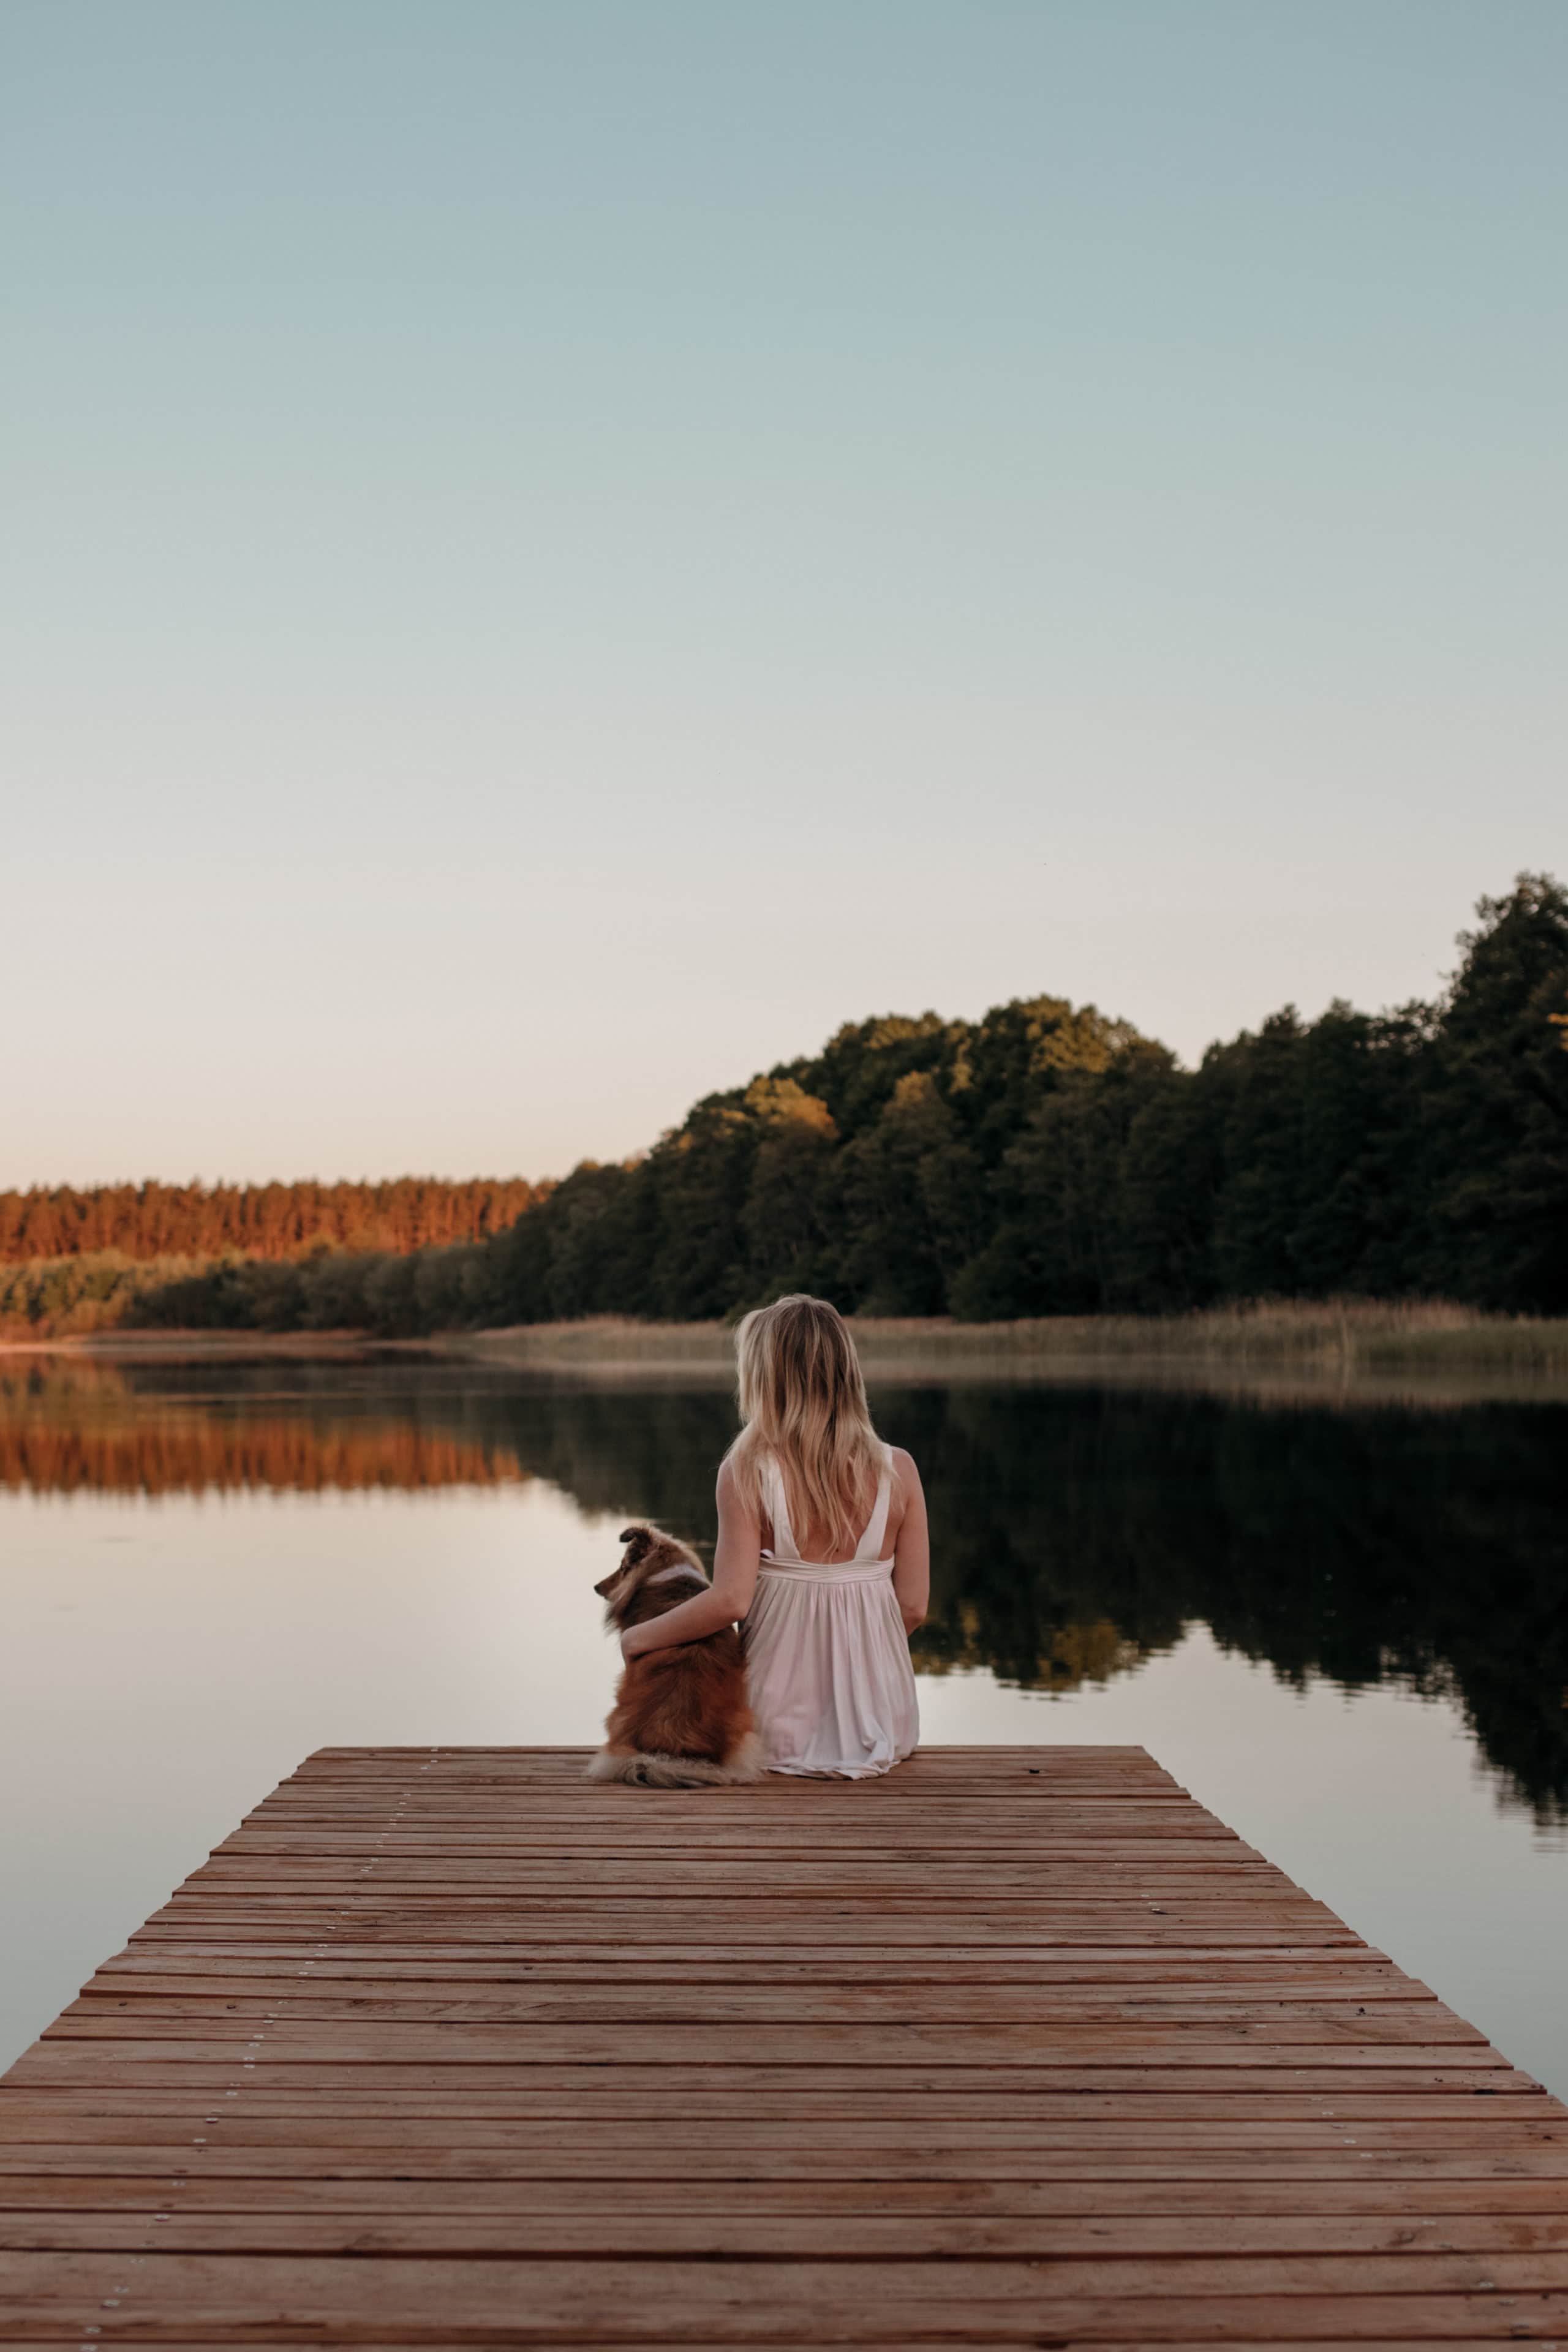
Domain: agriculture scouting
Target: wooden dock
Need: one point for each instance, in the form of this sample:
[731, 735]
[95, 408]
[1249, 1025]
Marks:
[1018, 2047]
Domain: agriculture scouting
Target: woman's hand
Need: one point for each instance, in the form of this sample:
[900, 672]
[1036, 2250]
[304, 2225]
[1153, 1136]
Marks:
[634, 1643]
[911, 1551]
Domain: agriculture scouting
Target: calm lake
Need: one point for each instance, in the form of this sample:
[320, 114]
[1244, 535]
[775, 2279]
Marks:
[1342, 1626]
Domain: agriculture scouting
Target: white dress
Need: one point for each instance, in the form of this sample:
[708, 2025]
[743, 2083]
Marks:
[827, 1659]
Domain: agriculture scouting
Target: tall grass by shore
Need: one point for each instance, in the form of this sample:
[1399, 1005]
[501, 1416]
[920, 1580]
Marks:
[1329, 1337]
[1313, 1343]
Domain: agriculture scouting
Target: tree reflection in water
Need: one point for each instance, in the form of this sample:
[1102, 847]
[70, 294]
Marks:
[1074, 1531]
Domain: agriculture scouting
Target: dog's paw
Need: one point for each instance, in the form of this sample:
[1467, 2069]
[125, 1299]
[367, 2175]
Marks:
[746, 1761]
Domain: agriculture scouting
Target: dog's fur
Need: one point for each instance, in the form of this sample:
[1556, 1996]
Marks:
[680, 1718]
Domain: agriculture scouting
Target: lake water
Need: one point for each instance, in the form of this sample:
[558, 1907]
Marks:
[1343, 1626]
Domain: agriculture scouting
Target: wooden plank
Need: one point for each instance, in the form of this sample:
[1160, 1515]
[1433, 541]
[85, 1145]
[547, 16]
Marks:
[1256, 2216]
[1295, 2203]
[1283, 2299]
[299, 2227]
[1082, 1967]
[278, 2039]
[1380, 2017]
[1016, 2045]
[763, 1927]
[611, 2295]
[471, 2116]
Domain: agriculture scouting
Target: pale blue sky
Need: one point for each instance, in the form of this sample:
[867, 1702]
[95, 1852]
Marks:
[554, 553]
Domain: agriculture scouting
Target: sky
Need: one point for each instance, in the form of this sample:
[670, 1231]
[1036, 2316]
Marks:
[556, 554]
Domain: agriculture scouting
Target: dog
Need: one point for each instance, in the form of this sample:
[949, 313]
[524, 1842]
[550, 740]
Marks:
[680, 1718]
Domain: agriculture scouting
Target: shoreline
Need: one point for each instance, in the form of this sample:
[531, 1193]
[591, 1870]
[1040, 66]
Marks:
[1414, 1352]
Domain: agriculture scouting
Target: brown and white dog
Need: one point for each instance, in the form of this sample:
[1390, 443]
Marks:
[680, 1718]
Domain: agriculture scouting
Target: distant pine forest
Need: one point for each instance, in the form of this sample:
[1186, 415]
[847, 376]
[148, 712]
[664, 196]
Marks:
[267, 1220]
[1045, 1160]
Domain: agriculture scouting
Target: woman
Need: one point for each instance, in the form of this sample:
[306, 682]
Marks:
[823, 1553]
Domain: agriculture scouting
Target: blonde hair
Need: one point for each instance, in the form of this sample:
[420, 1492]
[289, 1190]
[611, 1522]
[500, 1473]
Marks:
[803, 1401]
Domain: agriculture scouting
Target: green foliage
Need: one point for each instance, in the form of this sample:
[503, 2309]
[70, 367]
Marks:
[1498, 1105]
[63, 1297]
[1048, 1160]
[1041, 1160]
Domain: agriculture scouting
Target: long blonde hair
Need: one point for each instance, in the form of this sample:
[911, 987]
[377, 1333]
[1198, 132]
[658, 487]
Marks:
[803, 1401]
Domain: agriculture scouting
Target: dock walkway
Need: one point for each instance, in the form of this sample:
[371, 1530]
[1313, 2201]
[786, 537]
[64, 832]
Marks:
[1016, 2047]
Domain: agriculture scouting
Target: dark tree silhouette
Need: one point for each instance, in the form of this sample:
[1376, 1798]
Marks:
[1043, 1160]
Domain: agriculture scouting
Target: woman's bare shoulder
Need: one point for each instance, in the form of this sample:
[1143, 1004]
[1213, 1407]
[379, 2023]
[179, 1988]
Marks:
[727, 1487]
[904, 1470]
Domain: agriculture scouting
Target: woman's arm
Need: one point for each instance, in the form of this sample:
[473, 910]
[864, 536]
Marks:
[911, 1551]
[736, 1559]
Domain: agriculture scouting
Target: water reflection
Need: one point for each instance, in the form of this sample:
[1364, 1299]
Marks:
[90, 1430]
[1075, 1532]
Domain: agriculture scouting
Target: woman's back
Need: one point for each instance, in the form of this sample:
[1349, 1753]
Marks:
[780, 1546]
[827, 1654]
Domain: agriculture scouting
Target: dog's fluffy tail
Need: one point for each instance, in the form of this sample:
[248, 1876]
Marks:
[745, 1762]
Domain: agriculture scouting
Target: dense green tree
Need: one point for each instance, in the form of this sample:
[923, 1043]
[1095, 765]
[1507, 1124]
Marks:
[911, 1188]
[1019, 1055]
[584, 1258]
[701, 1176]
[1169, 1178]
[1498, 1101]
[1060, 1242]
[860, 1068]
[789, 1223]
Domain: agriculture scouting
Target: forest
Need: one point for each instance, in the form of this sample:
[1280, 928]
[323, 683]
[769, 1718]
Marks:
[264, 1220]
[1043, 1160]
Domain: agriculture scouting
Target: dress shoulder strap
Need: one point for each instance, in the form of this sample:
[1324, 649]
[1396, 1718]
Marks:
[871, 1544]
[785, 1544]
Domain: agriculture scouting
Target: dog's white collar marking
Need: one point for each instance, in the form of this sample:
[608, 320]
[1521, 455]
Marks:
[669, 1575]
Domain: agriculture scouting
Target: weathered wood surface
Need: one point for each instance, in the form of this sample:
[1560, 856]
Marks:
[1018, 2047]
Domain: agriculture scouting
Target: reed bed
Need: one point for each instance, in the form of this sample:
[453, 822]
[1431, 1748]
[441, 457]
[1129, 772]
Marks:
[1332, 1337]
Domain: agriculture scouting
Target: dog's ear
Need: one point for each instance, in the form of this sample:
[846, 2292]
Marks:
[639, 1541]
